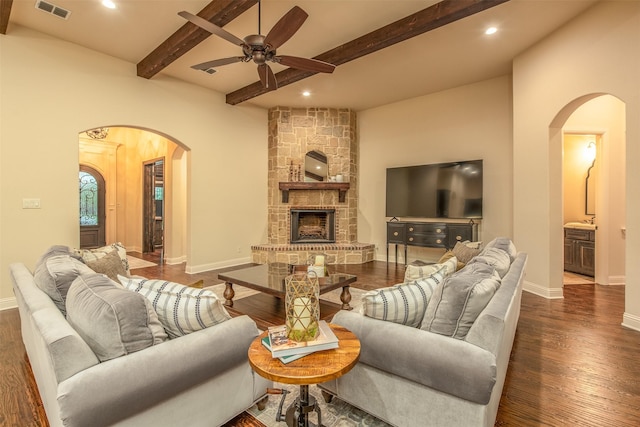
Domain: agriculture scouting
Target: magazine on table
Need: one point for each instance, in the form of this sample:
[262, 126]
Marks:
[282, 346]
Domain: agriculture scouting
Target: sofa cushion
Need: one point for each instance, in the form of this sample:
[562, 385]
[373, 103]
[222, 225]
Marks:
[110, 265]
[464, 253]
[505, 244]
[55, 271]
[415, 272]
[112, 320]
[180, 308]
[404, 303]
[95, 254]
[495, 257]
[458, 301]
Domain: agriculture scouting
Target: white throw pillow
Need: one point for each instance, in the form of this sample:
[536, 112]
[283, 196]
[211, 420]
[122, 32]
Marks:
[181, 309]
[415, 272]
[404, 303]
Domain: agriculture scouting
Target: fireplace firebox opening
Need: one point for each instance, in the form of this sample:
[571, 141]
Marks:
[313, 226]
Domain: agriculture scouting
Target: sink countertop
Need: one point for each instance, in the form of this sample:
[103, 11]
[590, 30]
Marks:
[580, 225]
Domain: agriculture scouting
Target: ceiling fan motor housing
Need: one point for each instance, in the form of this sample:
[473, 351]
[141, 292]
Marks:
[255, 49]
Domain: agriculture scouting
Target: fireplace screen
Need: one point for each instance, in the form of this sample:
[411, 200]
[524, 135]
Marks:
[313, 226]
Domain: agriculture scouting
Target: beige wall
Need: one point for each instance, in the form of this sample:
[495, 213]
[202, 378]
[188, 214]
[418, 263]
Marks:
[466, 123]
[550, 81]
[52, 90]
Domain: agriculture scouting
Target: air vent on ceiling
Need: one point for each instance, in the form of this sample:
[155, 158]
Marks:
[52, 9]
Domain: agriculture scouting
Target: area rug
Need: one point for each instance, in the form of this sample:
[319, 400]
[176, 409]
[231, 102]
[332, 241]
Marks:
[138, 263]
[334, 414]
[333, 296]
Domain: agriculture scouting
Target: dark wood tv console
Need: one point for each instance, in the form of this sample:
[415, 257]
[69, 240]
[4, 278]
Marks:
[429, 234]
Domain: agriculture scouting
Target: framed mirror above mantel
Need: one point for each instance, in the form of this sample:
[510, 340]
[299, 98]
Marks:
[341, 187]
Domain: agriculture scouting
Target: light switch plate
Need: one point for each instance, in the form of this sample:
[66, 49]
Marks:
[30, 203]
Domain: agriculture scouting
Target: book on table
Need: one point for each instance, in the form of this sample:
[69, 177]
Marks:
[282, 346]
[283, 359]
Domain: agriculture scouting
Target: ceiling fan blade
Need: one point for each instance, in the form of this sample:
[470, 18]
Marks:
[286, 27]
[267, 77]
[305, 64]
[205, 66]
[212, 28]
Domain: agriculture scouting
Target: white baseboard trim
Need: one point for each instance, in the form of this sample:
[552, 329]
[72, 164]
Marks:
[631, 321]
[7, 303]
[617, 280]
[176, 260]
[192, 269]
[555, 293]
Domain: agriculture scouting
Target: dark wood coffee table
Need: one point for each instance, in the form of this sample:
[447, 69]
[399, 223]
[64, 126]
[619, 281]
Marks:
[269, 279]
[313, 368]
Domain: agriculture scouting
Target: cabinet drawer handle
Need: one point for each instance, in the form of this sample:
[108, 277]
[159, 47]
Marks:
[458, 237]
[438, 241]
[411, 239]
[439, 230]
[395, 233]
[410, 228]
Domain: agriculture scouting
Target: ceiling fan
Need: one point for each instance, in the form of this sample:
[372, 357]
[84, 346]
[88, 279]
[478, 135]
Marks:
[262, 49]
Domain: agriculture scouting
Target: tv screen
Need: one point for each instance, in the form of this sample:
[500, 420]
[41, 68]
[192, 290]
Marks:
[443, 190]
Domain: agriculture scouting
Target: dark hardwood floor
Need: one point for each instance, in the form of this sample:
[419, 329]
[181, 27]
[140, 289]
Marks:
[572, 363]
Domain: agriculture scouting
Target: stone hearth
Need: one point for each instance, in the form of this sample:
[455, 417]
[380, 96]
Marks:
[292, 133]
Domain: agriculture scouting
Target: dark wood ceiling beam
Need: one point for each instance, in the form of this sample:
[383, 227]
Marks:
[5, 11]
[438, 15]
[219, 12]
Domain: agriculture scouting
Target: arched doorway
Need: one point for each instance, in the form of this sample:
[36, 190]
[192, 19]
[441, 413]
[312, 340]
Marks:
[121, 153]
[603, 115]
[92, 207]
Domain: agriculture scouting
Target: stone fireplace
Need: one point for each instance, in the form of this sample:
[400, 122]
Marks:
[294, 132]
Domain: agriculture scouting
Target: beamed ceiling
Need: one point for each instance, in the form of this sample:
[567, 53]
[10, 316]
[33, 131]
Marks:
[384, 50]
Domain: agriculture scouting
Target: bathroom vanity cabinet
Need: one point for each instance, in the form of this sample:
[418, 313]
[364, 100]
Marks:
[580, 251]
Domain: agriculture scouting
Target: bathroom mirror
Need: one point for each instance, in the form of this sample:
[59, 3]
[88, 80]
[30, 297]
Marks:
[315, 166]
[590, 190]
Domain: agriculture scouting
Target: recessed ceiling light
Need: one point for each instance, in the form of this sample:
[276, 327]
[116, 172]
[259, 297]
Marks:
[491, 30]
[306, 93]
[109, 4]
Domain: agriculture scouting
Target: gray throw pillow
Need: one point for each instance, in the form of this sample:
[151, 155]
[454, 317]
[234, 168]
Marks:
[457, 303]
[55, 272]
[495, 257]
[113, 321]
[505, 244]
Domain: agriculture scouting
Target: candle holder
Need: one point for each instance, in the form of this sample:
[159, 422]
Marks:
[302, 306]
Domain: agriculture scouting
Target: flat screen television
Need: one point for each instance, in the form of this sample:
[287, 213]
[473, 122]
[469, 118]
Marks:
[442, 190]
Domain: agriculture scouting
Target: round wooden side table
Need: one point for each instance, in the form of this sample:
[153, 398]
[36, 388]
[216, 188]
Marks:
[313, 368]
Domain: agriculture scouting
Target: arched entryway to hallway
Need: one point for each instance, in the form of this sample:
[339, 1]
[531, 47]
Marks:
[121, 152]
[603, 116]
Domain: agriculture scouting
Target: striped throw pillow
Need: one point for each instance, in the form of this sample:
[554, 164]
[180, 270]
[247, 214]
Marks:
[404, 303]
[181, 309]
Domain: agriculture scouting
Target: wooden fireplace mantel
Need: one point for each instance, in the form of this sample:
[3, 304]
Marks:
[342, 188]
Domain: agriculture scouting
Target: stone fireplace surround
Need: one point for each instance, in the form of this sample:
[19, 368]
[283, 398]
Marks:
[292, 133]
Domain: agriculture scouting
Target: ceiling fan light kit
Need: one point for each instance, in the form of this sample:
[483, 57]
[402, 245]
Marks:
[262, 49]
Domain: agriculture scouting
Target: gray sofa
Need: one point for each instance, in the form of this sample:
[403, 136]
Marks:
[200, 379]
[407, 376]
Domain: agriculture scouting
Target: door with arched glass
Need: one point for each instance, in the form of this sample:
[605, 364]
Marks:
[92, 210]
